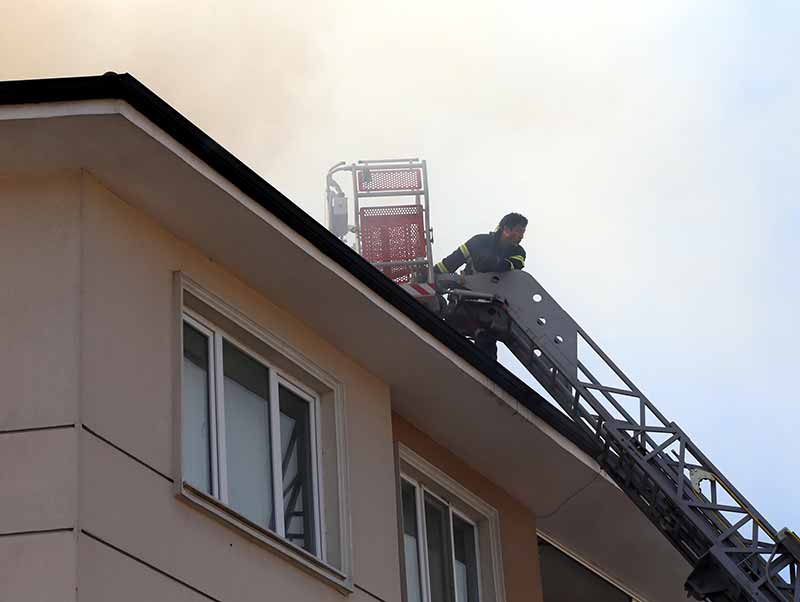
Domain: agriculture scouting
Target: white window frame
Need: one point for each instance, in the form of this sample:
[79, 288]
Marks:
[455, 512]
[277, 379]
[460, 500]
[420, 491]
[313, 401]
[340, 574]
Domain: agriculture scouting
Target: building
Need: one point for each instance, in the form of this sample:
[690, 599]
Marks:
[207, 396]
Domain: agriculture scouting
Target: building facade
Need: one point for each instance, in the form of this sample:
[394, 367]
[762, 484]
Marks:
[207, 397]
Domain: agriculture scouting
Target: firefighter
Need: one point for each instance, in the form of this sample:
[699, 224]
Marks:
[497, 251]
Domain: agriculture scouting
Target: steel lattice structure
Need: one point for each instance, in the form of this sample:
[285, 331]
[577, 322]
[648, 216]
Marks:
[736, 553]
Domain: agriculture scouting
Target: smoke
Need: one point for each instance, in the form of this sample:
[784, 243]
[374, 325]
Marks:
[243, 71]
[652, 145]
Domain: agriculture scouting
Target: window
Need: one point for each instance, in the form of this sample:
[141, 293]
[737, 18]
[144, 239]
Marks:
[450, 538]
[566, 579]
[260, 435]
[440, 547]
[249, 435]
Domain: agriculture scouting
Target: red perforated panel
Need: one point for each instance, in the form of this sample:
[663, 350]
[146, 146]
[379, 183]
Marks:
[386, 180]
[395, 233]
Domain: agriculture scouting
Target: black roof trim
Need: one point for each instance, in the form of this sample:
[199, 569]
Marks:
[126, 87]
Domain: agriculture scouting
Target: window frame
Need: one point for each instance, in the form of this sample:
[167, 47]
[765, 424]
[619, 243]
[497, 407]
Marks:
[454, 511]
[461, 502]
[212, 417]
[336, 471]
[420, 491]
[317, 492]
[216, 374]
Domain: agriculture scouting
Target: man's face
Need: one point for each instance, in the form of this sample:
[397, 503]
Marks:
[513, 236]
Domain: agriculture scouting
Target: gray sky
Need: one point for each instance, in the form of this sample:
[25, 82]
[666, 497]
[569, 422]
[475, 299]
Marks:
[654, 147]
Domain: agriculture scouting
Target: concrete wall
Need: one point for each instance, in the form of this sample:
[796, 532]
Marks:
[517, 523]
[39, 322]
[128, 506]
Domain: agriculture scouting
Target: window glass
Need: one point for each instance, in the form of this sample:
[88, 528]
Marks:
[441, 546]
[565, 580]
[465, 560]
[196, 448]
[437, 525]
[411, 542]
[298, 502]
[247, 436]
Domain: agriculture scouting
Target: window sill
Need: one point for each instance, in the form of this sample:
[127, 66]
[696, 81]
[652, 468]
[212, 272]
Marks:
[295, 554]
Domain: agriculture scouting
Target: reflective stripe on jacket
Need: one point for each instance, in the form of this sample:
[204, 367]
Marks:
[483, 253]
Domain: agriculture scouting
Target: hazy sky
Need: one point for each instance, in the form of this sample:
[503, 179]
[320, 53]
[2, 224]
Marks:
[654, 146]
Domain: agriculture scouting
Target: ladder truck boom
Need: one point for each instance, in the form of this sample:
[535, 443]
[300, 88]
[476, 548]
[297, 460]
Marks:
[736, 554]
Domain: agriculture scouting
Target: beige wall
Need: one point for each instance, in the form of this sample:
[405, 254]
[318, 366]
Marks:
[517, 523]
[38, 567]
[37, 480]
[127, 384]
[39, 287]
[86, 430]
[89, 308]
[39, 322]
[135, 582]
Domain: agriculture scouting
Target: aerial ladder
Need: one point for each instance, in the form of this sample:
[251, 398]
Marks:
[736, 555]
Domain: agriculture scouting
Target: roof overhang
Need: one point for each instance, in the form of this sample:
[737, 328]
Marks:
[155, 160]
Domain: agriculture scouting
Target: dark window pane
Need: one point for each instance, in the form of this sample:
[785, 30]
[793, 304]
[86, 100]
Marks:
[466, 561]
[564, 580]
[247, 436]
[440, 568]
[298, 487]
[411, 542]
[196, 429]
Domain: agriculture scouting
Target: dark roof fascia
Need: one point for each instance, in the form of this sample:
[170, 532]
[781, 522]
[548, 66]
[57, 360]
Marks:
[127, 88]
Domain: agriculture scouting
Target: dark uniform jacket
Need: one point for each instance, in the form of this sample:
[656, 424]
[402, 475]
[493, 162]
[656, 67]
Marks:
[483, 253]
